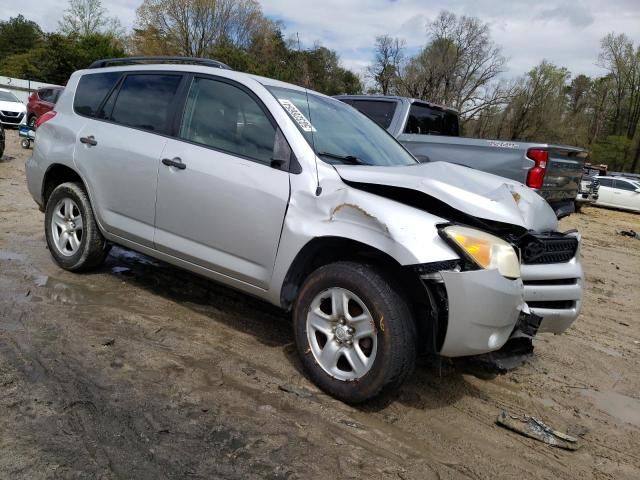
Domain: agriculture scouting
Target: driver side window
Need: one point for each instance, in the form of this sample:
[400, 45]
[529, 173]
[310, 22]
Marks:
[224, 117]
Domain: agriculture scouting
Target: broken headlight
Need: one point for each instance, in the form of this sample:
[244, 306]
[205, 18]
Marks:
[484, 249]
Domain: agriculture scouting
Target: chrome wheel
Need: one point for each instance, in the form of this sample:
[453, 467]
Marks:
[342, 334]
[66, 227]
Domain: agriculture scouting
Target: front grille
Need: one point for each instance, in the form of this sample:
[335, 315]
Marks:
[540, 249]
[11, 117]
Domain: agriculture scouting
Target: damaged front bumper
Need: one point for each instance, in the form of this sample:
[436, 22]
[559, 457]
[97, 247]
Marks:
[483, 309]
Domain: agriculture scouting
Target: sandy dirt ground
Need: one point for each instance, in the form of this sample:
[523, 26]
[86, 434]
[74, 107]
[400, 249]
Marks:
[143, 371]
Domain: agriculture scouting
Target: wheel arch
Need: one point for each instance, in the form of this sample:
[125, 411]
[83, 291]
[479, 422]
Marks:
[321, 251]
[58, 174]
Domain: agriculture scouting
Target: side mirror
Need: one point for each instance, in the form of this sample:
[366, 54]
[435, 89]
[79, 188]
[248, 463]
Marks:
[637, 190]
[283, 157]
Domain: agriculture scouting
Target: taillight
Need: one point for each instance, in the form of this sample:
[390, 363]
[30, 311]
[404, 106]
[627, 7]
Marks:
[535, 177]
[45, 117]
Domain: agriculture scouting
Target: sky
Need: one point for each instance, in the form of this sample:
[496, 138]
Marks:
[566, 33]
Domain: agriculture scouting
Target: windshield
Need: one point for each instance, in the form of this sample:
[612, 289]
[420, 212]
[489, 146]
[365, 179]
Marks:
[8, 97]
[339, 133]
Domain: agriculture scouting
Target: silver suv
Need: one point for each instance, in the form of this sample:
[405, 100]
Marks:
[298, 199]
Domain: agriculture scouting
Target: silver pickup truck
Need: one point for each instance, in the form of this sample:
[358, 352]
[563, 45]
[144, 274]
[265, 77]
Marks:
[431, 132]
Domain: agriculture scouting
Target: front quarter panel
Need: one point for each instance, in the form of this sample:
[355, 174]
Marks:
[407, 234]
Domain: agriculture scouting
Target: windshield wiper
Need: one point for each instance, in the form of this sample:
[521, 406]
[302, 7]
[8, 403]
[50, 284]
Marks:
[349, 159]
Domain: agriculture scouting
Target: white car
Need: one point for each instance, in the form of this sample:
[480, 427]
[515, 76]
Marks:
[619, 192]
[12, 110]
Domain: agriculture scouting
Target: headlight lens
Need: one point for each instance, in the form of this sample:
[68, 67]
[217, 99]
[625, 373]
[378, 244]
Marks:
[485, 250]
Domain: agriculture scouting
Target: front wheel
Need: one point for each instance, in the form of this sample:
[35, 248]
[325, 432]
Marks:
[72, 234]
[354, 333]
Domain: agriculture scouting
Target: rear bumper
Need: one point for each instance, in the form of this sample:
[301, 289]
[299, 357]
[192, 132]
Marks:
[554, 291]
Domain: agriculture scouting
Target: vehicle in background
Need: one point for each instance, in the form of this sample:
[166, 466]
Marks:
[1, 140]
[432, 133]
[589, 185]
[12, 111]
[619, 192]
[42, 101]
[378, 257]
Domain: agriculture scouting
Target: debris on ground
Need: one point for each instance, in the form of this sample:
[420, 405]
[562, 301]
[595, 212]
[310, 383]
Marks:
[108, 342]
[630, 233]
[533, 428]
[299, 391]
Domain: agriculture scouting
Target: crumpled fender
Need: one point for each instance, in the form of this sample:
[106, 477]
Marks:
[407, 234]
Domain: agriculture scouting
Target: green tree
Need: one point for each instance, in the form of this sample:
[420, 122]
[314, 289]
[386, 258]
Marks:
[18, 35]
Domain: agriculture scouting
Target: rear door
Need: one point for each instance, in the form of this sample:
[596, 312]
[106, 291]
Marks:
[129, 119]
[625, 195]
[221, 204]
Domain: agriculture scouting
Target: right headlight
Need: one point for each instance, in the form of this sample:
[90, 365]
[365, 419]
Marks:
[485, 250]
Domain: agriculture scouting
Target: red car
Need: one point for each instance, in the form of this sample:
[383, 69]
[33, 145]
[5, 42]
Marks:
[42, 101]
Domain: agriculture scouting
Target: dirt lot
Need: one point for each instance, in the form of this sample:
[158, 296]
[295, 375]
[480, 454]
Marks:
[143, 371]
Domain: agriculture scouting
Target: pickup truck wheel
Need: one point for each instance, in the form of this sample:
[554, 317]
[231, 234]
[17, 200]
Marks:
[354, 333]
[72, 234]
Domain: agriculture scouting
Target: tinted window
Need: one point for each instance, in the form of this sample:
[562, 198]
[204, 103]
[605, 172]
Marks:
[91, 90]
[622, 185]
[606, 182]
[55, 95]
[426, 120]
[225, 117]
[45, 94]
[378, 111]
[144, 101]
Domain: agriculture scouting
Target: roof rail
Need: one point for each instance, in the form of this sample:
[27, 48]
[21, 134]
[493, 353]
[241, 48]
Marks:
[108, 62]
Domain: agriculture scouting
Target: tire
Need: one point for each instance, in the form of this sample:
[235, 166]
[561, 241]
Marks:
[32, 121]
[85, 247]
[379, 325]
[24, 143]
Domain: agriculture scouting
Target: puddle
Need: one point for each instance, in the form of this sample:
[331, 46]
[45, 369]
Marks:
[132, 257]
[617, 405]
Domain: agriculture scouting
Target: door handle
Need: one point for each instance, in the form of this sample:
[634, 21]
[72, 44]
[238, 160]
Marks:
[175, 162]
[90, 140]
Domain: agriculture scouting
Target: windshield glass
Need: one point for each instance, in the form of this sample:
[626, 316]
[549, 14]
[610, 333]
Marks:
[8, 97]
[339, 133]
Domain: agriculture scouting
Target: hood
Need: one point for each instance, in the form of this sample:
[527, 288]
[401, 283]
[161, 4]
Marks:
[479, 194]
[13, 106]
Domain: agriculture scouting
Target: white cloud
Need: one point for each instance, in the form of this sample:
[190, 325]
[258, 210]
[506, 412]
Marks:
[563, 32]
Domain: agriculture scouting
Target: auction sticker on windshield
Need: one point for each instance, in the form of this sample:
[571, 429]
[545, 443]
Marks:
[297, 115]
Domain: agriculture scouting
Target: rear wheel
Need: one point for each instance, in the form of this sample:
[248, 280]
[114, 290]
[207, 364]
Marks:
[354, 333]
[72, 234]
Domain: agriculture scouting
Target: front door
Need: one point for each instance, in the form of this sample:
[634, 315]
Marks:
[220, 203]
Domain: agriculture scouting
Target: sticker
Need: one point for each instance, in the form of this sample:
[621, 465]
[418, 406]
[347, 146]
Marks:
[297, 115]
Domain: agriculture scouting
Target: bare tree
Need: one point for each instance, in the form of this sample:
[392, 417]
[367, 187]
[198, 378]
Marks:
[84, 17]
[386, 64]
[194, 27]
[457, 66]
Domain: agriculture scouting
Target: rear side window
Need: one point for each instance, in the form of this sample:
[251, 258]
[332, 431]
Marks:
[45, 94]
[426, 120]
[379, 111]
[622, 185]
[225, 117]
[92, 89]
[144, 101]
